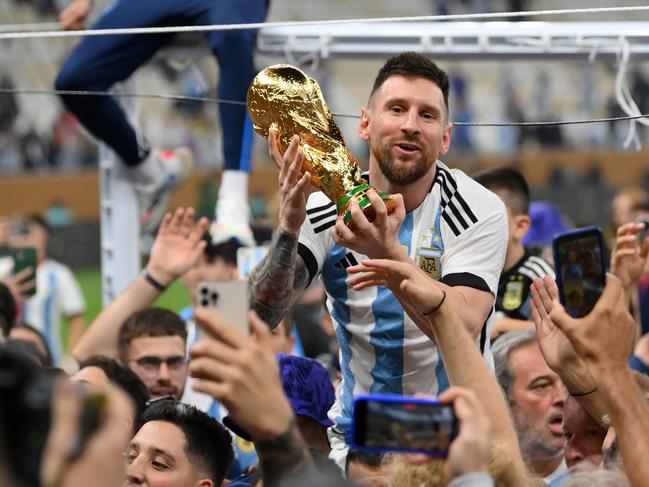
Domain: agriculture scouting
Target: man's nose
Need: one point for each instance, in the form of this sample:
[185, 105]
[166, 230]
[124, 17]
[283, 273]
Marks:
[573, 455]
[135, 472]
[163, 372]
[410, 123]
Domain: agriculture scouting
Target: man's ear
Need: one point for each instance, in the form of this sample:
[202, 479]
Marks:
[446, 139]
[363, 126]
[522, 224]
[205, 483]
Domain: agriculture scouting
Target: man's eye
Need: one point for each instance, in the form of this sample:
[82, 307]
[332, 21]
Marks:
[396, 109]
[159, 465]
[130, 457]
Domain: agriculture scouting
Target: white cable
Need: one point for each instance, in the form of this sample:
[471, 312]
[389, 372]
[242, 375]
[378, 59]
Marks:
[217, 27]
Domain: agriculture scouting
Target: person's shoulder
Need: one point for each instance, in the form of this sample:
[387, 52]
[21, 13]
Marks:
[321, 212]
[51, 265]
[465, 202]
[470, 190]
[535, 267]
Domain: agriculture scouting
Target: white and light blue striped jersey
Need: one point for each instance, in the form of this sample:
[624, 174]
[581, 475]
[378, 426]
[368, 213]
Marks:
[457, 235]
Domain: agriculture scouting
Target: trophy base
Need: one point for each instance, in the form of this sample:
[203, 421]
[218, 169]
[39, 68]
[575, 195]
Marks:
[359, 193]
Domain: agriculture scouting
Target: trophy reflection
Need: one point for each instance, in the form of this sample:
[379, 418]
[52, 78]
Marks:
[286, 99]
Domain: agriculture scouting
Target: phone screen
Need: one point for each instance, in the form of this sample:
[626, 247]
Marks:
[403, 423]
[581, 269]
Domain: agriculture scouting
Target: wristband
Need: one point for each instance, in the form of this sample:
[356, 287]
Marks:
[156, 284]
[581, 394]
[439, 305]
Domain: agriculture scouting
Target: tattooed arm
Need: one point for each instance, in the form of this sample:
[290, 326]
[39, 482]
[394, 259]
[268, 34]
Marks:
[278, 279]
[284, 455]
[274, 280]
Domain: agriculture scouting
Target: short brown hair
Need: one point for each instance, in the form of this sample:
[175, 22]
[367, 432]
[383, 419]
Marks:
[151, 322]
[413, 65]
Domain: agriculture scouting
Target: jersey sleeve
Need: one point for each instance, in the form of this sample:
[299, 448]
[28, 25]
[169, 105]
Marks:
[477, 256]
[315, 235]
[71, 298]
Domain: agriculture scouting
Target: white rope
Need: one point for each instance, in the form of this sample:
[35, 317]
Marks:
[162, 96]
[217, 27]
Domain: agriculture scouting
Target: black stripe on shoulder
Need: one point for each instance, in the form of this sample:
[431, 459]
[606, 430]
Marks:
[466, 279]
[457, 214]
[311, 211]
[446, 191]
[324, 226]
[448, 175]
[309, 261]
[465, 206]
[483, 332]
[449, 221]
[322, 216]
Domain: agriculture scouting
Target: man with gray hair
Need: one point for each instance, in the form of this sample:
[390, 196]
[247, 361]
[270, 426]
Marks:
[536, 396]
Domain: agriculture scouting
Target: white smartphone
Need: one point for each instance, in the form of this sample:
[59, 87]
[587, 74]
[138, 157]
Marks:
[228, 299]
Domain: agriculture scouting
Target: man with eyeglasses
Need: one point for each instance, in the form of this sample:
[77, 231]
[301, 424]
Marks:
[152, 344]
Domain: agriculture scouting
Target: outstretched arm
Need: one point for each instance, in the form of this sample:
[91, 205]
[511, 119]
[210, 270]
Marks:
[176, 249]
[604, 339]
[463, 361]
[282, 272]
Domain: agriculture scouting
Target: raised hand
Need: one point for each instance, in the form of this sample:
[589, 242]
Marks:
[605, 337]
[405, 280]
[242, 372]
[18, 284]
[177, 246]
[629, 257]
[294, 187]
[378, 239]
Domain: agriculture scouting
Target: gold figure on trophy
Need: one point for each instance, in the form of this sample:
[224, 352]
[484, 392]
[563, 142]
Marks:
[284, 98]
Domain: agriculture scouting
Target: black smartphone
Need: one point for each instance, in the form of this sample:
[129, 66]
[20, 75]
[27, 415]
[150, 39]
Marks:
[579, 260]
[403, 423]
[24, 258]
[644, 233]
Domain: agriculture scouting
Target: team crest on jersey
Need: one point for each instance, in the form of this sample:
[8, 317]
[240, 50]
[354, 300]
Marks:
[513, 297]
[430, 261]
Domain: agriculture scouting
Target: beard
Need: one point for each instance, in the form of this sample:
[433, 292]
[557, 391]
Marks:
[399, 174]
[534, 444]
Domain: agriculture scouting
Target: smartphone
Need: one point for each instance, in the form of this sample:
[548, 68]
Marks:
[403, 423]
[24, 258]
[579, 260]
[228, 299]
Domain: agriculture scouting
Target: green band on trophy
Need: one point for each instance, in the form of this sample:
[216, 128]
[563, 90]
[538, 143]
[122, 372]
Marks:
[343, 201]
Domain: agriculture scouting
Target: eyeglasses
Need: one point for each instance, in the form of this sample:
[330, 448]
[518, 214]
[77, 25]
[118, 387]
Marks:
[151, 365]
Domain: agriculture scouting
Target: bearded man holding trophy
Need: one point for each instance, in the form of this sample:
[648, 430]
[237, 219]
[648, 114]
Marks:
[410, 207]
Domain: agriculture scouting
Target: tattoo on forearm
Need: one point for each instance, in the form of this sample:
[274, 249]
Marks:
[273, 280]
[285, 455]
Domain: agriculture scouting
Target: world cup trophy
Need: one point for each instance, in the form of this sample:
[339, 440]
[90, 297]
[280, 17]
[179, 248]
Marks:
[284, 98]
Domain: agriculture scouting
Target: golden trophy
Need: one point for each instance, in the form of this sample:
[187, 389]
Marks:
[284, 98]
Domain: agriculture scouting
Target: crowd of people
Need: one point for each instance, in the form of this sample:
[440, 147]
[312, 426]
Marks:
[440, 295]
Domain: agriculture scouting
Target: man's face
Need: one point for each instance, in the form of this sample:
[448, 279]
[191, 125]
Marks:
[156, 457]
[406, 125]
[204, 270]
[160, 363]
[539, 397]
[28, 234]
[584, 436]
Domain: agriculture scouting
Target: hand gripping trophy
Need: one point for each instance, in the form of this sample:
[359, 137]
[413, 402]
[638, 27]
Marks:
[284, 98]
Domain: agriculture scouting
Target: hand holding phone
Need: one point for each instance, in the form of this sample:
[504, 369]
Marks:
[403, 423]
[25, 268]
[228, 299]
[581, 269]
